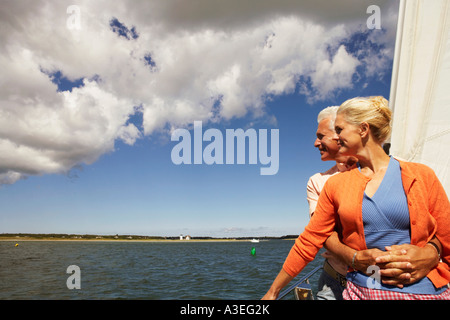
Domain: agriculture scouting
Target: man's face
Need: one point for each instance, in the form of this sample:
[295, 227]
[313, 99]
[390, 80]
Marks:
[327, 146]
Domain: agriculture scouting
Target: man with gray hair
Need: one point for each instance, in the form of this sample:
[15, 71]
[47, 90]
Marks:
[333, 278]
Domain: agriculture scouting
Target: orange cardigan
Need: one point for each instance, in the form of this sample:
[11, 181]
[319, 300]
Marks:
[340, 208]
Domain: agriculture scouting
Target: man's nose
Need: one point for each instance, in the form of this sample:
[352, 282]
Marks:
[317, 143]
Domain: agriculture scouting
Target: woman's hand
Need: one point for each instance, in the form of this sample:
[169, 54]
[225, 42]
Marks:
[406, 263]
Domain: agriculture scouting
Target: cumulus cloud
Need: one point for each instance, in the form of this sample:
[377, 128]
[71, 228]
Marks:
[68, 91]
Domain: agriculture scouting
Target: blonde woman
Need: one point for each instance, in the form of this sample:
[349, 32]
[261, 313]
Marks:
[380, 203]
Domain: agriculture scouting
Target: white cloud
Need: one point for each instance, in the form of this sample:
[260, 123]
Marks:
[188, 60]
[334, 74]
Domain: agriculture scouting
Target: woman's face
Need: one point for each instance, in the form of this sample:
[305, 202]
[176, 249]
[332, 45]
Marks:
[348, 136]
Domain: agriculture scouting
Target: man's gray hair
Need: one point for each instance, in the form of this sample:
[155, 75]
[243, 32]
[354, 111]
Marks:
[328, 113]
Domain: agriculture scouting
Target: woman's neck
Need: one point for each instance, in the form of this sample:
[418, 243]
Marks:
[373, 160]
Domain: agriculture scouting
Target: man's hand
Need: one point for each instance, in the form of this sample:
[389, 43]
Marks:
[366, 258]
[394, 265]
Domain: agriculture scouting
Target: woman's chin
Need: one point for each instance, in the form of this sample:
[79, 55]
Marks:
[344, 151]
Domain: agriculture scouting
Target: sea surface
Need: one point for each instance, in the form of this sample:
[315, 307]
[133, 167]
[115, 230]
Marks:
[178, 270]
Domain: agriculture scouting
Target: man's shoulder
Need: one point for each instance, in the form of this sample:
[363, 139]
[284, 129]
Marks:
[326, 173]
[320, 178]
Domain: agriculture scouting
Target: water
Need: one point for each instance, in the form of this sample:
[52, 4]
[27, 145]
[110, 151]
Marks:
[143, 270]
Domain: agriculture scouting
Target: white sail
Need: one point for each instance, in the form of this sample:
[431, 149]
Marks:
[420, 89]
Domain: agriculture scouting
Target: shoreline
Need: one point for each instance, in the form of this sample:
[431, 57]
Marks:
[128, 238]
[121, 240]
[131, 240]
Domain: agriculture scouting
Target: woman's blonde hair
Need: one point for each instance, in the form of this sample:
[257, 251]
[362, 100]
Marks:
[373, 110]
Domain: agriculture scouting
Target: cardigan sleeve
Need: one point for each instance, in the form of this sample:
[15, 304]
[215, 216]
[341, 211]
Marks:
[430, 212]
[311, 240]
[439, 207]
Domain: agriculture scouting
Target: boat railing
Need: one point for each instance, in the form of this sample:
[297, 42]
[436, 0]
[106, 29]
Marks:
[299, 282]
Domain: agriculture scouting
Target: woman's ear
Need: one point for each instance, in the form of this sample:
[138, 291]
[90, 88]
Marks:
[364, 128]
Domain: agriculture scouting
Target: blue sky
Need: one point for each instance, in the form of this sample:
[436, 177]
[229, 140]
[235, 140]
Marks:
[89, 140]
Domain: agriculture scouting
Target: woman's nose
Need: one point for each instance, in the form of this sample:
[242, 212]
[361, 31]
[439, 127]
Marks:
[335, 136]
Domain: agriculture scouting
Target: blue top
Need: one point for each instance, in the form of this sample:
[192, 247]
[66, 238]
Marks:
[386, 222]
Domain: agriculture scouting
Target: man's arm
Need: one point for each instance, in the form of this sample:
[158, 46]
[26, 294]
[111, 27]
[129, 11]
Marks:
[359, 260]
[340, 250]
[312, 195]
